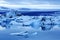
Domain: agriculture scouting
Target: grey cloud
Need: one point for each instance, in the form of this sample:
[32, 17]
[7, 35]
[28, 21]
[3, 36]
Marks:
[33, 1]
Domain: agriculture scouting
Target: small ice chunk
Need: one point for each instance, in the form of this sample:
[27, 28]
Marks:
[35, 33]
[2, 28]
[19, 34]
[23, 34]
[56, 27]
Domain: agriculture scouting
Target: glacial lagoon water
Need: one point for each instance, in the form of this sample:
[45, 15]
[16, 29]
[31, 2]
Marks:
[41, 35]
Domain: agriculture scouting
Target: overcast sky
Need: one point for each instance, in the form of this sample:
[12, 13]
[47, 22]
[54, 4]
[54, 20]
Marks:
[31, 3]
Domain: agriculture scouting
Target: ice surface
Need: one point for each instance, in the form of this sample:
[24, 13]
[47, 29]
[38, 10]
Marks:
[11, 20]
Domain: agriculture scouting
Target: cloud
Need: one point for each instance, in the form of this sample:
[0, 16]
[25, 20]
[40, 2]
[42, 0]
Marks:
[3, 2]
[33, 1]
[23, 2]
[28, 2]
[37, 4]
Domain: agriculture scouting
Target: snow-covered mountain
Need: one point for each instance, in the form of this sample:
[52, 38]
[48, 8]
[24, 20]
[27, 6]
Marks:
[27, 9]
[31, 11]
[4, 10]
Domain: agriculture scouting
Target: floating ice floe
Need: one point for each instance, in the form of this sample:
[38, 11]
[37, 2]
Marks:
[25, 34]
[22, 34]
[56, 27]
[19, 34]
[2, 28]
